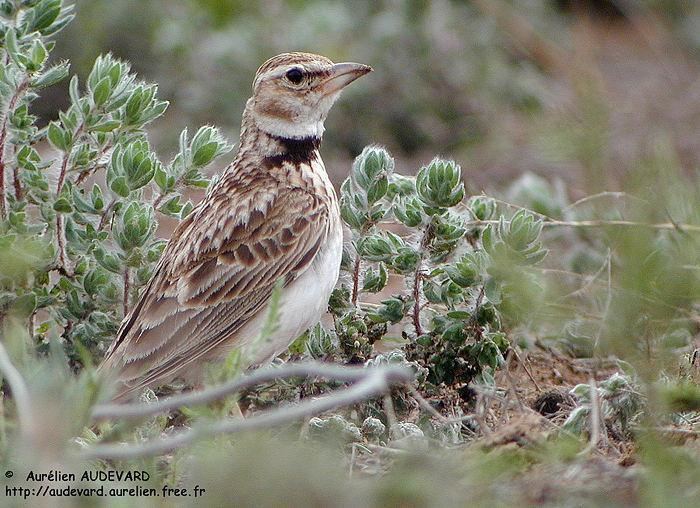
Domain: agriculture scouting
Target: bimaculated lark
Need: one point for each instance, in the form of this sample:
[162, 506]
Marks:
[273, 215]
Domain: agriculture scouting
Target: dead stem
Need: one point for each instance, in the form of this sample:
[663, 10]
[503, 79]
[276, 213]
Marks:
[388, 404]
[527, 371]
[595, 419]
[370, 383]
[511, 381]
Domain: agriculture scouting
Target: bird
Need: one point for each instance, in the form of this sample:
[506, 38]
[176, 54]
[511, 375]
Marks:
[271, 220]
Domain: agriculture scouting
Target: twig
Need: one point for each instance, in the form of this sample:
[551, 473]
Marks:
[3, 201]
[558, 428]
[105, 214]
[17, 183]
[92, 170]
[388, 404]
[686, 228]
[385, 449]
[511, 381]
[20, 392]
[3, 136]
[507, 204]
[591, 279]
[479, 415]
[61, 241]
[159, 199]
[527, 371]
[485, 429]
[356, 278]
[374, 382]
[688, 433]
[307, 369]
[416, 305]
[608, 303]
[673, 221]
[425, 404]
[63, 171]
[353, 459]
[162, 195]
[604, 194]
[568, 273]
[418, 276]
[60, 230]
[127, 288]
[595, 420]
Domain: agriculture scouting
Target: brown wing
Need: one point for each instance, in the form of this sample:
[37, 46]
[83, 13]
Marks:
[217, 271]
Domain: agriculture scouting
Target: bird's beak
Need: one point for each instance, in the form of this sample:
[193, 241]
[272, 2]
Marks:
[342, 74]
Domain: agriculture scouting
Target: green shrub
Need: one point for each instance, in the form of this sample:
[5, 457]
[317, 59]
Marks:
[85, 240]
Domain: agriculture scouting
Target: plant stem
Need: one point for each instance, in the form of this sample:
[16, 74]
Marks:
[17, 183]
[60, 229]
[416, 298]
[418, 276]
[127, 288]
[594, 419]
[687, 228]
[61, 241]
[3, 136]
[88, 172]
[106, 214]
[64, 170]
[3, 203]
[60, 226]
[356, 278]
[159, 199]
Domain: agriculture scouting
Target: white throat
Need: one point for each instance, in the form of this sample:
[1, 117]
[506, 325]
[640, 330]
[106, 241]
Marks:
[279, 127]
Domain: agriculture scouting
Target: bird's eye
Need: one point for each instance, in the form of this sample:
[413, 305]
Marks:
[295, 75]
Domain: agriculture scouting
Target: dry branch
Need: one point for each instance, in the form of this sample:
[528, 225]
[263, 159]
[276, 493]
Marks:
[372, 382]
[307, 369]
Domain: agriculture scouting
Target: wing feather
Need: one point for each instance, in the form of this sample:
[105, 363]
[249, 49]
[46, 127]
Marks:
[214, 276]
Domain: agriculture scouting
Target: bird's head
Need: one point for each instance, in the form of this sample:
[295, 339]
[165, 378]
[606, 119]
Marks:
[293, 92]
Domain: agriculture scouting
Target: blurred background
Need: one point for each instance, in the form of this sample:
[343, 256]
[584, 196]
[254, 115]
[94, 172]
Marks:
[580, 91]
[542, 102]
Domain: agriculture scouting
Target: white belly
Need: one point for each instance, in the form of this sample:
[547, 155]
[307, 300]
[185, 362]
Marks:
[302, 302]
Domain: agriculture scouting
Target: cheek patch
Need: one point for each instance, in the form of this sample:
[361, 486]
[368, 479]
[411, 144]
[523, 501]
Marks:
[276, 107]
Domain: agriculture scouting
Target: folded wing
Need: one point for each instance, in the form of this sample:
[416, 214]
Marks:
[216, 273]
